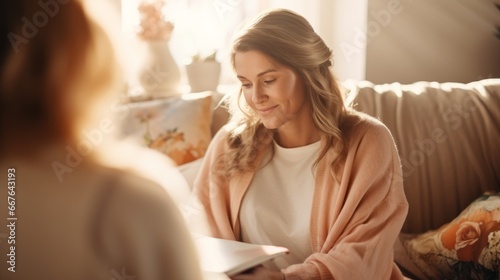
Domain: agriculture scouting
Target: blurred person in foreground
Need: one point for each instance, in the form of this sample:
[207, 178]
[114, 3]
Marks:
[296, 167]
[58, 67]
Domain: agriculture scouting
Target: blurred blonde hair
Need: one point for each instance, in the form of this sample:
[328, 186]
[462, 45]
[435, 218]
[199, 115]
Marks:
[288, 39]
[50, 84]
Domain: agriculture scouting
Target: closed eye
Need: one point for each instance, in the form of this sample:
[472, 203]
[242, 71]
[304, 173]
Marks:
[268, 82]
[246, 85]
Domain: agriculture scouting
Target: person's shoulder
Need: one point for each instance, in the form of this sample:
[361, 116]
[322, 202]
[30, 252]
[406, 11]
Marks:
[356, 122]
[147, 163]
[129, 200]
[138, 186]
[223, 136]
[223, 133]
[147, 221]
[359, 126]
[124, 187]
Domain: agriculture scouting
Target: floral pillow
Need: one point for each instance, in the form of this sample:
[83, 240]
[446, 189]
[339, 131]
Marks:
[466, 248]
[178, 127]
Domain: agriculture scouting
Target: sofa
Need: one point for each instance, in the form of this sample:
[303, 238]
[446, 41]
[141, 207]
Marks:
[448, 139]
[447, 136]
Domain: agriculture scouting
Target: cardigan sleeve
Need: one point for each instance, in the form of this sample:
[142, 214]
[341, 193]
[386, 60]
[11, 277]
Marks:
[211, 194]
[358, 222]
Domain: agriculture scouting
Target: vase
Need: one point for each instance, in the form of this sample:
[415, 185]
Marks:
[203, 75]
[158, 74]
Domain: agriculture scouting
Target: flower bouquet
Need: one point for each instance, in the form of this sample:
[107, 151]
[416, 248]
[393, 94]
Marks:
[159, 75]
[153, 26]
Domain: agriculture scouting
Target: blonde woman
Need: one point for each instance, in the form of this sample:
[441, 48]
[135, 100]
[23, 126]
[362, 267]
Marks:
[296, 168]
[68, 216]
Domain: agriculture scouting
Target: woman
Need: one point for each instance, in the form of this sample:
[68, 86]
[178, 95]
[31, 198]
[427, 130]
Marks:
[296, 168]
[71, 217]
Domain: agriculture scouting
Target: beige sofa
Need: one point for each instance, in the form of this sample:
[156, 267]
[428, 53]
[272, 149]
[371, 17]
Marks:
[448, 138]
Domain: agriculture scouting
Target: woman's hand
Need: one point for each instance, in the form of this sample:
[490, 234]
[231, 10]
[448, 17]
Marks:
[259, 273]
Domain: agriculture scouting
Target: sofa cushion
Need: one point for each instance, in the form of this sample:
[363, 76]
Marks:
[447, 136]
[179, 127]
[467, 247]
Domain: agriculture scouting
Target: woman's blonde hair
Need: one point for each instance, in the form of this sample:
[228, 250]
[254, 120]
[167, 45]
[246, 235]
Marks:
[289, 40]
[56, 64]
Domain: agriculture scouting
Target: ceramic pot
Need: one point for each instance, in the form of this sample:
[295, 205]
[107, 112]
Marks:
[203, 75]
[159, 75]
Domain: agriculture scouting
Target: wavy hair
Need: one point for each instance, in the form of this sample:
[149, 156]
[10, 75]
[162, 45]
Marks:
[288, 39]
[53, 74]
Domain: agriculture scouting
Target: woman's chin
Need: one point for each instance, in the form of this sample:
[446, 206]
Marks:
[271, 124]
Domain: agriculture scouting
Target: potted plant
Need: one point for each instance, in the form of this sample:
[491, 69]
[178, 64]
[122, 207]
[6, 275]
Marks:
[203, 73]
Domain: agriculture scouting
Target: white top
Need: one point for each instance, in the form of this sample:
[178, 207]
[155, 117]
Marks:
[277, 206]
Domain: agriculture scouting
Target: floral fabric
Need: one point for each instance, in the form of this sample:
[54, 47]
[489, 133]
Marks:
[466, 248]
[177, 127]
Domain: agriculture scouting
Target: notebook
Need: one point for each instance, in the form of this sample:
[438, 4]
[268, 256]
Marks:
[233, 257]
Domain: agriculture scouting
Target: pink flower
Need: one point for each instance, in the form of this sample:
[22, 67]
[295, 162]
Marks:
[153, 25]
[467, 234]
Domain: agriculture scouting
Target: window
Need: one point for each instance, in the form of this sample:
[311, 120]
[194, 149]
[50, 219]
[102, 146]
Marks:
[203, 26]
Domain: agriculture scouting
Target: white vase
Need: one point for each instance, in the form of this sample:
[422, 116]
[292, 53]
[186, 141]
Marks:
[203, 75]
[158, 74]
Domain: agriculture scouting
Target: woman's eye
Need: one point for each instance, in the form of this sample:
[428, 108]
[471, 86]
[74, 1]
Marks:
[268, 82]
[246, 85]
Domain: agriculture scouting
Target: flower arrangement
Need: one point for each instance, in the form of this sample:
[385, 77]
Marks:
[153, 26]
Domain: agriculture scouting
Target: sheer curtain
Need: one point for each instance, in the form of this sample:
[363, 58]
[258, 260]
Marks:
[204, 26]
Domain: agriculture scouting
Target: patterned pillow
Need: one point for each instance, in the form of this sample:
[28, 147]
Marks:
[178, 127]
[466, 248]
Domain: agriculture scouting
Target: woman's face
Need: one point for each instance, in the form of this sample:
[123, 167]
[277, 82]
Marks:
[275, 92]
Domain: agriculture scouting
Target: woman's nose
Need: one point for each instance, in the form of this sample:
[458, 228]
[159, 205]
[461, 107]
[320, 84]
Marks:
[258, 95]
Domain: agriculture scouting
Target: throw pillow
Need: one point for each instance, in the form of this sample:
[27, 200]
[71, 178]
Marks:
[466, 248]
[178, 127]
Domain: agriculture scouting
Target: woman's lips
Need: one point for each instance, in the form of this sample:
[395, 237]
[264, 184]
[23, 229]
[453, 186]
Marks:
[266, 111]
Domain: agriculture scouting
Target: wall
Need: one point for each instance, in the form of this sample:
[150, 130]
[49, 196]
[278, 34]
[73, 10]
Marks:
[341, 26]
[445, 40]
[335, 21]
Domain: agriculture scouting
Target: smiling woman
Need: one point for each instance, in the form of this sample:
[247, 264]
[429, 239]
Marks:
[277, 94]
[295, 167]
